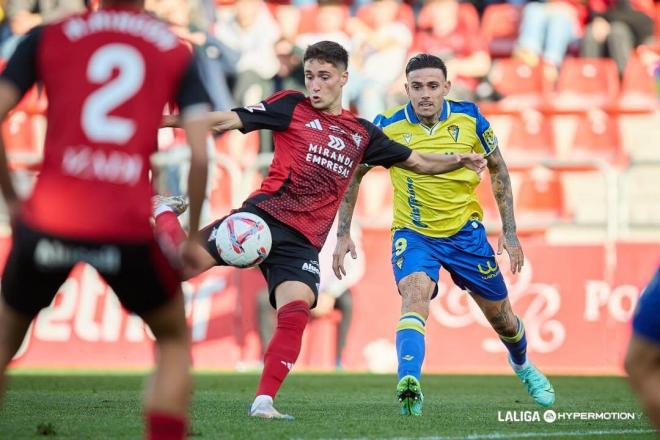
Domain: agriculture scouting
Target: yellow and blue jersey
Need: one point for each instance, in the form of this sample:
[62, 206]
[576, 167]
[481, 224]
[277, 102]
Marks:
[440, 205]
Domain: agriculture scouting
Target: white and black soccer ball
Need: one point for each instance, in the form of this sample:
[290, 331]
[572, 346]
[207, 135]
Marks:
[243, 239]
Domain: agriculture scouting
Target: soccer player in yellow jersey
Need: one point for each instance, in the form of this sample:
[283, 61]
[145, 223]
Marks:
[437, 222]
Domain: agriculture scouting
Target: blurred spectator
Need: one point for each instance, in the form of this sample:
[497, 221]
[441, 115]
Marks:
[23, 15]
[378, 57]
[216, 60]
[617, 27]
[546, 31]
[334, 294]
[249, 28]
[290, 76]
[324, 21]
[450, 31]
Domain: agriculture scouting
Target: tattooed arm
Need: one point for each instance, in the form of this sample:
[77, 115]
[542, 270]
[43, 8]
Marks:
[499, 177]
[345, 243]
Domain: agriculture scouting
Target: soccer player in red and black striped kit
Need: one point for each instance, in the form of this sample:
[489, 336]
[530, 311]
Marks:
[318, 147]
[108, 74]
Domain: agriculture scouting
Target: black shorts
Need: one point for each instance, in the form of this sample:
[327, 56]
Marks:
[292, 257]
[140, 274]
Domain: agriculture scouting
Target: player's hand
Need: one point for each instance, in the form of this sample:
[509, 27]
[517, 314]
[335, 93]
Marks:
[170, 121]
[511, 243]
[344, 245]
[473, 161]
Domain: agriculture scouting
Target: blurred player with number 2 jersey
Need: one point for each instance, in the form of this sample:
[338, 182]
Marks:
[108, 74]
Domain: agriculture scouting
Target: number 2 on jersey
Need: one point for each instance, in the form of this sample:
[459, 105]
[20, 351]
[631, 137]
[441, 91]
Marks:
[96, 122]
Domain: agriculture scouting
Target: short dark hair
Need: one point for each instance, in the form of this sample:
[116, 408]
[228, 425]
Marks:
[425, 60]
[329, 52]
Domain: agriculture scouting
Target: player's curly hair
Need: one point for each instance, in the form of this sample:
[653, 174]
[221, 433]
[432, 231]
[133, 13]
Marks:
[329, 52]
[425, 60]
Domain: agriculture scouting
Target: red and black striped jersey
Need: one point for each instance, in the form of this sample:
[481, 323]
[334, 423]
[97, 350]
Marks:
[315, 157]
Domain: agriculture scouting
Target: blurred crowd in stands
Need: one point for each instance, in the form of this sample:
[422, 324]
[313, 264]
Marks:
[252, 48]
[597, 61]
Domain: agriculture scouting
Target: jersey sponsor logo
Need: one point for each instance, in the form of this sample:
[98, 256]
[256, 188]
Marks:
[357, 138]
[315, 124]
[336, 143]
[312, 267]
[104, 166]
[330, 159]
[407, 137]
[453, 132]
[55, 254]
[255, 107]
[415, 213]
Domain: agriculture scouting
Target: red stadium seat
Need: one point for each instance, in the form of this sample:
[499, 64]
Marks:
[404, 15]
[467, 14]
[500, 24]
[598, 136]
[586, 83]
[531, 138]
[540, 201]
[309, 17]
[638, 89]
[521, 85]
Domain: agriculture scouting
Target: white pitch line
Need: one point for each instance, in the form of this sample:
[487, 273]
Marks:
[508, 435]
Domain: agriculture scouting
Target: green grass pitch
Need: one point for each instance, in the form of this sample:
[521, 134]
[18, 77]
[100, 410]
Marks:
[327, 406]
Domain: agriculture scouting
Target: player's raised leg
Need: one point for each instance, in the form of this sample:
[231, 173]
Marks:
[511, 330]
[293, 299]
[165, 212]
[643, 357]
[168, 392]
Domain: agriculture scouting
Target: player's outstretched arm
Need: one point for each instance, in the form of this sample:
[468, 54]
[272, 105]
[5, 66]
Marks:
[345, 243]
[220, 121]
[9, 96]
[429, 163]
[499, 177]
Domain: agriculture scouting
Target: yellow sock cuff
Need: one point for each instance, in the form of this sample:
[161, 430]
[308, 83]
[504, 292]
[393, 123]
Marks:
[519, 334]
[412, 321]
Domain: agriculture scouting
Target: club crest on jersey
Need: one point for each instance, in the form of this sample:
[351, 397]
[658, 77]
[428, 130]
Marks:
[453, 132]
[407, 137]
[251, 108]
[336, 143]
[357, 138]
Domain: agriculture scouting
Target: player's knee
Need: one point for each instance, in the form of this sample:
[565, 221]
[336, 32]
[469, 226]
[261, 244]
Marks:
[508, 328]
[415, 302]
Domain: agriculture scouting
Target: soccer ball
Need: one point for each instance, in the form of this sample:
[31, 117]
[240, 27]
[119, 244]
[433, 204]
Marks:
[243, 239]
